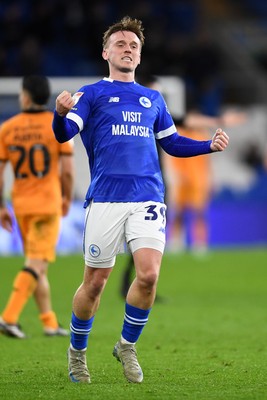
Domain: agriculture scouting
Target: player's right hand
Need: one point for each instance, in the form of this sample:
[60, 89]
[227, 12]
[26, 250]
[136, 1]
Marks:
[6, 219]
[66, 203]
[64, 103]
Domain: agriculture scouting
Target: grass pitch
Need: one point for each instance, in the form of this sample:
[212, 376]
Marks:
[206, 339]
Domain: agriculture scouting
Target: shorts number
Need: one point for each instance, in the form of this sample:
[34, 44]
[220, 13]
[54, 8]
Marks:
[153, 214]
[23, 155]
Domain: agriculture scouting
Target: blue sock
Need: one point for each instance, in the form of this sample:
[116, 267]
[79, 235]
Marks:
[134, 321]
[79, 331]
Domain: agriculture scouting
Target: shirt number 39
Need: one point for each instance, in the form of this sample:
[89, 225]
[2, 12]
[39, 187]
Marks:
[153, 213]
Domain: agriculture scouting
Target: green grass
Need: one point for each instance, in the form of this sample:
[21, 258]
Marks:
[206, 340]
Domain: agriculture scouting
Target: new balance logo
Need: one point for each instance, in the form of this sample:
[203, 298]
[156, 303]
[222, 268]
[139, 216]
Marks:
[114, 99]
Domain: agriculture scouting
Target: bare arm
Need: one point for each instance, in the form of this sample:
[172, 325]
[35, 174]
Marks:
[67, 177]
[5, 215]
[228, 118]
[196, 120]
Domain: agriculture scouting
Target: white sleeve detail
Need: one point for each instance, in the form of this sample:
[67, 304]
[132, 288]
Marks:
[167, 132]
[74, 117]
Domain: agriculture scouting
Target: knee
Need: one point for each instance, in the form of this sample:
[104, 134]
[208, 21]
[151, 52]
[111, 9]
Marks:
[148, 279]
[40, 267]
[95, 287]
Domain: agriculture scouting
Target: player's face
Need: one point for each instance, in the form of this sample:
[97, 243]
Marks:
[123, 51]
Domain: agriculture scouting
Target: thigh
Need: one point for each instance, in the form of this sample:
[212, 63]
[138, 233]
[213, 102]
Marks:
[147, 261]
[39, 235]
[104, 233]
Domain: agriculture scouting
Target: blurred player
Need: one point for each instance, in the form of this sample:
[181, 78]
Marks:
[189, 183]
[41, 194]
[189, 189]
[119, 122]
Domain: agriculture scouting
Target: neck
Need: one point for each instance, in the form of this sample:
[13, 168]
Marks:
[34, 107]
[122, 76]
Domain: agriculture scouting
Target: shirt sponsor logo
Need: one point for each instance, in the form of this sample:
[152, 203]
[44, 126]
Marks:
[130, 130]
[145, 102]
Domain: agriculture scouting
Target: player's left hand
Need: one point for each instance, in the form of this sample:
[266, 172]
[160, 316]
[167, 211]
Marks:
[219, 140]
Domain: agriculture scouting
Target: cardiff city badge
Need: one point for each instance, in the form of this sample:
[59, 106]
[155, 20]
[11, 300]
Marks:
[145, 102]
[94, 250]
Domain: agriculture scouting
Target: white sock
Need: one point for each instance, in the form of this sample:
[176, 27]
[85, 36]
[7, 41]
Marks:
[124, 341]
[72, 348]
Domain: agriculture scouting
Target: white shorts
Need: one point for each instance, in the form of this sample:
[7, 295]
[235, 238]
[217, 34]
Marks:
[108, 226]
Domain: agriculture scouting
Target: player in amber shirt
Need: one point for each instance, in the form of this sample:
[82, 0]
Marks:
[189, 181]
[189, 189]
[41, 194]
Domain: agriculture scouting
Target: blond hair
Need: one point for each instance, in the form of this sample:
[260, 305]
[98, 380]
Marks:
[125, 24]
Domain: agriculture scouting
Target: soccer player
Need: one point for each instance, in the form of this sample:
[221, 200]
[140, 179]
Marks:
[42, 192]
[152, 82]
[189, 190]
[119, 122]
[189, 183]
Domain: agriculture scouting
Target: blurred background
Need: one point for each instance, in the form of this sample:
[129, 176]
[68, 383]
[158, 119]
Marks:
[211, 60]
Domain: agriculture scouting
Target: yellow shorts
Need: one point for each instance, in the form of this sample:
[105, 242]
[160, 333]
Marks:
[39, 235]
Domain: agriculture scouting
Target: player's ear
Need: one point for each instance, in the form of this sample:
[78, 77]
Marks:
[105, 54]
[25, 99]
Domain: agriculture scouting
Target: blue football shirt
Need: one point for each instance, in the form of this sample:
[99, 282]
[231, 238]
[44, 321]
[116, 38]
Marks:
[119, 123]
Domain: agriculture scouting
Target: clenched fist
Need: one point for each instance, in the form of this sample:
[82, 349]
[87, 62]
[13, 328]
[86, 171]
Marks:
[64, 103]
[219, 140]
